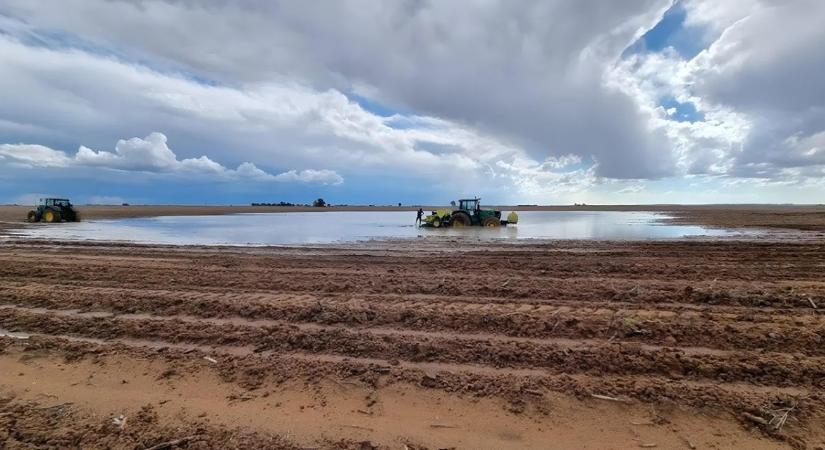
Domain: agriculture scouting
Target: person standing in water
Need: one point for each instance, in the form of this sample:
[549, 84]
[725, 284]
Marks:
[419, 216]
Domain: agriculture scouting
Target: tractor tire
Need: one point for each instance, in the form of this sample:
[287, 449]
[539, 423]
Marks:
[436, 223]
[51, 216]
[32, 217]
[460, 219]
[491, 222]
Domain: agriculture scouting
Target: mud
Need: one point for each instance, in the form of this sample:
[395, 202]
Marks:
[730, 332]
[31, 425]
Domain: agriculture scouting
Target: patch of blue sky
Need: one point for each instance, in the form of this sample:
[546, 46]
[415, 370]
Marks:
[681, 112]
[373, 106]
[671, 32]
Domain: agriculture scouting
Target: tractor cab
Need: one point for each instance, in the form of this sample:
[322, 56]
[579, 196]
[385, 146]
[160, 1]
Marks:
[469, 204]
[60, 202]
[469, 213]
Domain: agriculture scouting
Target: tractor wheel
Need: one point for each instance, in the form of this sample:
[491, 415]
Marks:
[32, 217]
[436, 223]
[461, 219]
[491, 222]
[51, 216]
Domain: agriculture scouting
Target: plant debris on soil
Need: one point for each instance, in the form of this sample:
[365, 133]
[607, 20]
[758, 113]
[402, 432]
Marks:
[673, 344]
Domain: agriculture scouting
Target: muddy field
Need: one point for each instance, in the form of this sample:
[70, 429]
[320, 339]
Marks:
[676, 344]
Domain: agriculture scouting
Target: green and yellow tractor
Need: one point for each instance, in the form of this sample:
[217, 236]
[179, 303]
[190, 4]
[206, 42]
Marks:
[467, 214]
[53, 210]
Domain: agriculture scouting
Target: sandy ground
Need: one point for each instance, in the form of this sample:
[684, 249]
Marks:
[593, 345]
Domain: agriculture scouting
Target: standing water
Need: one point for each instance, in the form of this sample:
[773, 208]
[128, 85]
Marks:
[351, 226]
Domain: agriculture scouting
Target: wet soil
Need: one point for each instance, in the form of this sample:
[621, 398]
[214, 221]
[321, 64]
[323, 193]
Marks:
[700, 344]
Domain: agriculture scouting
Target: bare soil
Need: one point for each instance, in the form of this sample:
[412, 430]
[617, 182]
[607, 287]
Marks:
[575, 344]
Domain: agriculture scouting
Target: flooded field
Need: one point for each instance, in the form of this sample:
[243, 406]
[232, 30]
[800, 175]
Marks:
[569, 322]
[350, 226]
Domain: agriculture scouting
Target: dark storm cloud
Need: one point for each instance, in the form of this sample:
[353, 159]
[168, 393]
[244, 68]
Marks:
[528, 71]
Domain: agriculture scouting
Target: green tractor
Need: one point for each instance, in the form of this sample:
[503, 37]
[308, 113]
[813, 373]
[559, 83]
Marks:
[467, 214]
[54, 210]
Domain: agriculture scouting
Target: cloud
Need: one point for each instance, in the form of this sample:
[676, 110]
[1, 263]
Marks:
[632, 189]
[276, 123]
[530, 73]
[319, 176]
[30, 198]
[528, 100]
[33, 155]
[761, 94]
[775, 80]
[105, 200]
[152, 154]
[311, 176]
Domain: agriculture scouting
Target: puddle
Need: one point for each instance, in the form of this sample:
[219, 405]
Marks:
[352, 226]
[13, 335]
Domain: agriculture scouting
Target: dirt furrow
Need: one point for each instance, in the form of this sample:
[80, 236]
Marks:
[580, 291]
[372, 309]
[458, 287]
[521, 388]
[660, 261]
[772, 369]
[735, 326]
[793, 334]
[378, 331]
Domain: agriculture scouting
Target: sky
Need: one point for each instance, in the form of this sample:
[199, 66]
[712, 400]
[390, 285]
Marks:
[412, 101]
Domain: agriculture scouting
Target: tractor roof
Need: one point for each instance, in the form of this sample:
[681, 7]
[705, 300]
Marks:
[468, 199]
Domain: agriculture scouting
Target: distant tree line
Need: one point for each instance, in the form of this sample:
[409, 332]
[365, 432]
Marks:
[319, 203]
[279, 204]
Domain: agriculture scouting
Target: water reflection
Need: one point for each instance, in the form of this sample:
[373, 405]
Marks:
[340, 226]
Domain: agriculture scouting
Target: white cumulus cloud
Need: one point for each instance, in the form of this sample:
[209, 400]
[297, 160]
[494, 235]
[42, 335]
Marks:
[33, 155]
[152, 154]
[323, 176]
